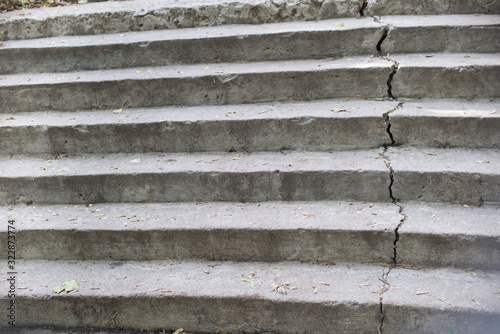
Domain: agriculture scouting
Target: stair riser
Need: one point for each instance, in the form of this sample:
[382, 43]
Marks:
[475, 39]
[305, 133]
[206, 90]
[198, 187]
[467, 82]
[446, 132]
[462, 188]
[264, 47]
[214, 315]
[479, 252]
[305, 245]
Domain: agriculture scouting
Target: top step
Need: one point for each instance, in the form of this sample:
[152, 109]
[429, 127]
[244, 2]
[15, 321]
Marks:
[135, 15]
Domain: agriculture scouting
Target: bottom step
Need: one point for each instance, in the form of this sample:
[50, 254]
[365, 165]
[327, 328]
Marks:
[252, 297]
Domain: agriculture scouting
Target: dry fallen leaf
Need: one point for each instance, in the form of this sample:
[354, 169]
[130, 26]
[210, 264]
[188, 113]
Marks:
[117, 111]
[140, 284]
[422, 292]
[324, 283]
[361, 285]
[315, 290]
[477, 303]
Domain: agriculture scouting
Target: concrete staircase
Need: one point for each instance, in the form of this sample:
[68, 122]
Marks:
[254, 166]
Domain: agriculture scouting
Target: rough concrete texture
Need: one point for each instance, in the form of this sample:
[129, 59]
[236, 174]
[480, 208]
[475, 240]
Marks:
[447, 123]
[441, 301]
[461, 76]
[329, 125]
[449, 235]
[357, 175]
[120, 16]
[430, 7]
[202, 84]
[445, 175]
[235, 43]
[447, 33]
[272, 231]
[167, 295]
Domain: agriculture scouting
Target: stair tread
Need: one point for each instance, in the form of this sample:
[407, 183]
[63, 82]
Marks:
[446, 60]
[319, 109]
[222, 71]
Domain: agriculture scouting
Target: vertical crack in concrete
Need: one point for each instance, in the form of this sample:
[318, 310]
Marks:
[383, 289]
[362, 9]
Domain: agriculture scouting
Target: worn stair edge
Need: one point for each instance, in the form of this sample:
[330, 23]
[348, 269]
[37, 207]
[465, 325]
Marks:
[445, 175]
[256, 177]
[447, 33]
[441, 301]
[159, 295]
[437, 234]
[315, 126]
[461, 76]
[273, 231]
[430, 7]
[119, 16]
[447, 124]
[203, 84]
[235, 43]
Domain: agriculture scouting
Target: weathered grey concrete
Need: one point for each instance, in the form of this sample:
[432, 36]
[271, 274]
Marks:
[431, 7]
[313, 126]
[124, 16]
[447, 123]
[166, 295]
[440, 234]
[464, 76]
[118, 295]
[473, 305]
[272, 231]
[445, 175]
[203, 84]
[446, 33]
[236, 43]
[195, 177]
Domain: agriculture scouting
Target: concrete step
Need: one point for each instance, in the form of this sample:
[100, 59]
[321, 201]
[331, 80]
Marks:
[344, 37]
[431, 235]
[202, 84]
[270, 231]
[440, 234]
[441, 33]
[175, 177]
[125, 16]
[446, 124]
[234, 43]
[214, 296]
[443, 175]
[462, 76]
[329, 125]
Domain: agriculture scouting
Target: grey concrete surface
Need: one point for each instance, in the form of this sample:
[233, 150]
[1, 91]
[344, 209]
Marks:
[441, 301]
[447, 124]
[271, 231]
[170, 295]
[350, 175]
[442, 33]
[445, 175]
[313, 126]
[462, 76]
[124, 16]
[345, 37]
[431, 7]
[182, 295]
[440, 234]
[202, 84]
